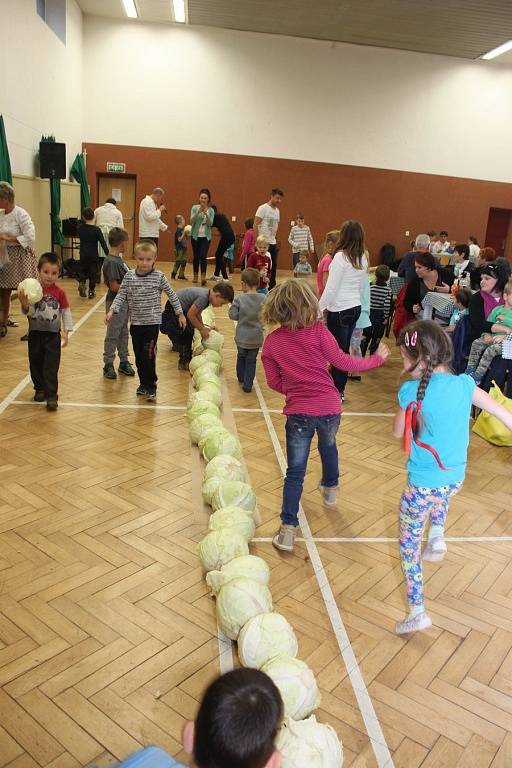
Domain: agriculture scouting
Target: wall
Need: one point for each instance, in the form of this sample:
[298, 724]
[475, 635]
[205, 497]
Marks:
[387, 202]
[34, 195]
[217, 90]
[41, 83]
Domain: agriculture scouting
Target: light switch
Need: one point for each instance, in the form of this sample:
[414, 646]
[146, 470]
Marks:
[233, 218]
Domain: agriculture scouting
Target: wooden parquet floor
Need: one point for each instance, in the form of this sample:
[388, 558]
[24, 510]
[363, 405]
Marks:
[107, 632]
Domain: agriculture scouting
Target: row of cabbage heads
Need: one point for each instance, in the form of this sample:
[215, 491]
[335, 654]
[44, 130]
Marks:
[239, 580]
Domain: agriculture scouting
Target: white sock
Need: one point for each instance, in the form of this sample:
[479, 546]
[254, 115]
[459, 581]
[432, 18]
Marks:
[436, 531]
[414, 610]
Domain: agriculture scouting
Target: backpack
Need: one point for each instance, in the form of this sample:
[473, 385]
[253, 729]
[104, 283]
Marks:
[402, 316]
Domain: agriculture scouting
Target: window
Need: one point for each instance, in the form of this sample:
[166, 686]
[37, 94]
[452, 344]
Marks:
[53, 13]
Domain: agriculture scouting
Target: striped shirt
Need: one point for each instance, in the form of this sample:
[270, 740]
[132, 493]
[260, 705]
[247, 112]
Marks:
[295, 364]
[380, 299]
[143, 296]
[301, 239]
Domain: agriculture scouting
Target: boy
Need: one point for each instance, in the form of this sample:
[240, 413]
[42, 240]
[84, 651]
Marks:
[193, 301]
[116, 337]
[300, 239]
[380, 307]
[180, 248]
[302, 268]
[261, 261]
[90, 236]
[489, 345]
[45, 319]
[141, 292]
[249, 331]
[461, 303]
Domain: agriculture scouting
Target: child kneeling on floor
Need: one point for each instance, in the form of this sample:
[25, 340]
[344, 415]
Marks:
[296, 358]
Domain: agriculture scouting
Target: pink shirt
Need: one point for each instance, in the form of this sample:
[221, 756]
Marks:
[295, 364]
[247, 245]
[323, 267]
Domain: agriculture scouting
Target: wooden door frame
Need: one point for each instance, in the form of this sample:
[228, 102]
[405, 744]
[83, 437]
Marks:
[108, 175]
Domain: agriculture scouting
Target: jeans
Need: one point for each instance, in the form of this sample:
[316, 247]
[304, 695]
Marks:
[44, 360]
[272, 249]
[341, 325]
[144, 339]
[299, 434]
[246, 366]
[220, 262]
[200, 247]
[181, 338]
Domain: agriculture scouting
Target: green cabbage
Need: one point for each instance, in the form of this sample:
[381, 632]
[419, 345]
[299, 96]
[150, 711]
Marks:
[32, 289]
[219, 444]
[296, 683]
[264, 637]
[213, 390]
[201, 397]
[201, 424]
[218, 429]
[219, 547]
[200, 407]
[225, 467]
[212, 356]
[234, 493]
[308, 744]
[236, 519]
[238, 601]
[214, 341]
[208, 372]
[200, 361]
[209, 488]
[250, 566]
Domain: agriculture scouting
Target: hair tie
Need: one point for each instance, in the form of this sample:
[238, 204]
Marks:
[411, 419]
[410, 341]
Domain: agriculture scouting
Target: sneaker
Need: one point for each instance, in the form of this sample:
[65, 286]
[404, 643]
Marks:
[182, 277]
[247, 389]
[284, 539]
[329, 495]
[126, 369]
[39, 396]
[214, 278]
[354, 377]
[109, 371]
[203, 282]
[92, 294]
[52, 405]
[81, 289]
[141, 390]
[435, 550]
[414, 624]
[173, 276]
[151, 396]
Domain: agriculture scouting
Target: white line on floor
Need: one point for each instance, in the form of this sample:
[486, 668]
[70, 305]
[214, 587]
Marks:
[385, 539]
[134, 406]
[373, 729]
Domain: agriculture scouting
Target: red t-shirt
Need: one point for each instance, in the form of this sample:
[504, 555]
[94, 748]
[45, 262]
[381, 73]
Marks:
[261, 263]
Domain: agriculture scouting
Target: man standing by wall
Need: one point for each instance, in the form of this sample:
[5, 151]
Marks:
[150, 216]
[108, 215]
[266, 222]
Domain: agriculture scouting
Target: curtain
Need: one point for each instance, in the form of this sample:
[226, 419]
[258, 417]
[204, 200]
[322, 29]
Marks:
[79, 173]
[5, 163]
[56, 223]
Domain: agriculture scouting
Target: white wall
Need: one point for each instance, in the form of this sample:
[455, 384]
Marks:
[293, 98]
[41, 82]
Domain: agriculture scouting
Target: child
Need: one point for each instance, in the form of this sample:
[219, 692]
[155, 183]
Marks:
[434, 413]
[461, 301]
[90, 237]
[116, 336]
[489, 345]
[249, 332]
[261, 261]
[380, 307]
[300, 239]
[248, 243]
[45, 319]
[302, 268]
[296, 358]
[141, 292]
[193, 301]
[180, 248]
[322, 273]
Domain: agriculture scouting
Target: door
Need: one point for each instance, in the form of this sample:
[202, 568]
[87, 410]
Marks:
[122, 189]
[498, 225]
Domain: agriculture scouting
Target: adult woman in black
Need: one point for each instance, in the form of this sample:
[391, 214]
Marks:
[493, 279]
[227, 238]
[429, 277]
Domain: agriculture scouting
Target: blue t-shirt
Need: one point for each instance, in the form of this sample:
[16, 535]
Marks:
[446, 410]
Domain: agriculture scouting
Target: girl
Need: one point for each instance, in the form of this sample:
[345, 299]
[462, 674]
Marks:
[295, 358]
[342, 295]
[248, 243]
[322, 273]
[201, 219]
[433, 418]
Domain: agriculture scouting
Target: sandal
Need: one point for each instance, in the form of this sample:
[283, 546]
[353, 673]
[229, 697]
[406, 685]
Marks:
[3, 330]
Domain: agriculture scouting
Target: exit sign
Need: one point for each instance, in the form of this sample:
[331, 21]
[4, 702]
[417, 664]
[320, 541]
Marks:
[116, 167]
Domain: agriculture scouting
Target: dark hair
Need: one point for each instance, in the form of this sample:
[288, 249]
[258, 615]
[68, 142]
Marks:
[433, 347]
[351, 242]
[431, 233]
[251, 277]
[388, 254]
[238, 720]
[205, 191]
[505, 263]
[111, 200]
[382, 274]
[87, 214]
[215, 209]
[499, 271]
[47, 258]
[463, 296]
[225, 290]
[300, 216]
[473, 239]
[116, 236]
[425, 260]
[463, 249]
[443, 232]
[487, 254]
[277, 191]
[249, 223]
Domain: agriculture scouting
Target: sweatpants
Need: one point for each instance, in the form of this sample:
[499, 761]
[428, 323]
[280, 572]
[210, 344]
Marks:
[144, 339]
[482, 355]
[89, 269]
[44, 360]
[116, 336]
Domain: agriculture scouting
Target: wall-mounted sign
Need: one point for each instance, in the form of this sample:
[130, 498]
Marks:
[116, 167]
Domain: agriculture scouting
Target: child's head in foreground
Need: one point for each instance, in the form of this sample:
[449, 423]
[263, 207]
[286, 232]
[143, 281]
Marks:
[144, 254]
[291, 304]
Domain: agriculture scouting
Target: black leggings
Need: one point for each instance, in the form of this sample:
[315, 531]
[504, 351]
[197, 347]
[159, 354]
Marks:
[200, 247]
[272, 249]
[220, 261]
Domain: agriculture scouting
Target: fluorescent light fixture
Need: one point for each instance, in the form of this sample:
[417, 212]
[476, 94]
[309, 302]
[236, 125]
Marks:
[130, 9]
[179, 11]
[498, 51]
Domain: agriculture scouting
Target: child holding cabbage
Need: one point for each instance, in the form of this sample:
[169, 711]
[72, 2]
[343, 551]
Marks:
[296, 358]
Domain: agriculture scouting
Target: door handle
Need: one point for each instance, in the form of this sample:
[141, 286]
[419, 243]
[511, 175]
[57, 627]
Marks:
[128, 218]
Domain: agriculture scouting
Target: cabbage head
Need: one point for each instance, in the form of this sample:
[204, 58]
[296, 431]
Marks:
[212, 390]
[296, 683]
[207, 372]
[32, 289]
[212, 356]
[201, 407]
[200, 361]
[234, 493]
[209, 488]
[308, 744]
[219, 444]
[219, 547]
[202, 397]
[264, 637]
[234, 518]
[218, 429]
[225, 467]
[201, 424]
[214, 341]
[250, 566]
[238, 601]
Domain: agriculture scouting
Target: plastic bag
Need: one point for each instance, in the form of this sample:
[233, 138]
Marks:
[491, 428]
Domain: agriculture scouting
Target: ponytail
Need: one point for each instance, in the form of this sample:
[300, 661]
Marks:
[418, 424]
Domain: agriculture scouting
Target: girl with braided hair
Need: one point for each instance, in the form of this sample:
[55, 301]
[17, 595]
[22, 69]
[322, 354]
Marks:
[433, 419]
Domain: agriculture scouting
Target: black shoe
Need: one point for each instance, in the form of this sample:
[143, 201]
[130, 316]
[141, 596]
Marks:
[24, 338]
[247, 389]
[126, 369]
[109, 371]
[52, 405]
[39, 396]
[81, 289]
[92, 294]
[182, 277]
[141, 390]
[173, 276]
[354, 377]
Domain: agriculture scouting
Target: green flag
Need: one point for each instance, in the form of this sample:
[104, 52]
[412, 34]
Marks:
[5, 163]
[56, 223]
[79, 173]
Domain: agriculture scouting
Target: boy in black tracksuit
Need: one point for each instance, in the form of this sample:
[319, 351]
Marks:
[90, 235]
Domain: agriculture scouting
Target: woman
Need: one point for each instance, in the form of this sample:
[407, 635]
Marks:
[342, 294]
[227, 239]
[462, 261]
[429, 277]
[493, 280]
[17, 240]
[201, 219]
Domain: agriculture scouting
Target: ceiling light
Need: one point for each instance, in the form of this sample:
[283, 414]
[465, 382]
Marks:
[130, 9]
[179, 11]
[498, 51]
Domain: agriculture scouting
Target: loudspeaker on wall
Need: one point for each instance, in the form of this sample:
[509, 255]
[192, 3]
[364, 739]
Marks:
[52, 160]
